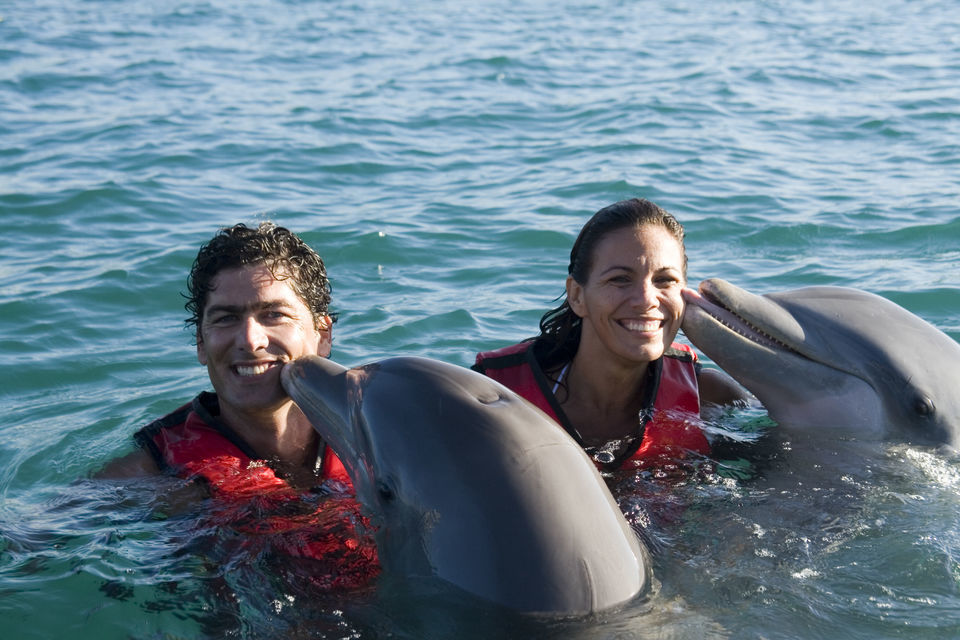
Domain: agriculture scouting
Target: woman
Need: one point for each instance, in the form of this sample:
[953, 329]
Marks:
[604, 365]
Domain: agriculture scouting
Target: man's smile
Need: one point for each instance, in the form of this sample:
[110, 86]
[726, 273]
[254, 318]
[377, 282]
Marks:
[255, 368]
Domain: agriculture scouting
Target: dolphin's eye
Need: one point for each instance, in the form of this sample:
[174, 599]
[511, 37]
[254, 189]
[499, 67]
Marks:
[924, 406]
[385, 491]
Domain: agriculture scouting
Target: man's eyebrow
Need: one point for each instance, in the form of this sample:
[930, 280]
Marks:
[237, 308]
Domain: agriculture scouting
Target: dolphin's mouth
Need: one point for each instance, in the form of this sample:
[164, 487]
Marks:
[714, 306]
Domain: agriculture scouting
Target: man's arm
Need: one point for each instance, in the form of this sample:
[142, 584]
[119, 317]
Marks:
[168, 493]
[137, 464]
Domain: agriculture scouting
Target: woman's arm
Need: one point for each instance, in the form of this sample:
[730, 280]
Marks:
[718, 388]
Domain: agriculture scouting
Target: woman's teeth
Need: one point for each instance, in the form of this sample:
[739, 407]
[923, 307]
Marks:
[641, 325]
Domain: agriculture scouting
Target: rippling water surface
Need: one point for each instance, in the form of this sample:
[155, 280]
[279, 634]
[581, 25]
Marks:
[442, 157]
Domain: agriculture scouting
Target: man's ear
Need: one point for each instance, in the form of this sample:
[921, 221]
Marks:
[575, 297]
[201, 351]
[324, 335]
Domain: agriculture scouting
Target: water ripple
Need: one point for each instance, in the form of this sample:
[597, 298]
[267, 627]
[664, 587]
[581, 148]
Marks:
[442, 158]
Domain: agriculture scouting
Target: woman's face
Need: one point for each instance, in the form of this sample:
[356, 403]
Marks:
[631, 303]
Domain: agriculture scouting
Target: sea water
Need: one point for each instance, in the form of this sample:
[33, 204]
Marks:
[442, 156]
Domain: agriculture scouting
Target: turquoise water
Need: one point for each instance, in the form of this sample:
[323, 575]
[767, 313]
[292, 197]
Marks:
[442, 157]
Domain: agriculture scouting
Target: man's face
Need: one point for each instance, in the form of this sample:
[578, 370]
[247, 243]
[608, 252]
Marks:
[252, 324]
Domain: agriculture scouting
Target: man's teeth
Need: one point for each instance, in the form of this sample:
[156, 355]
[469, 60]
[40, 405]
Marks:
[646, 325]
[253, 370]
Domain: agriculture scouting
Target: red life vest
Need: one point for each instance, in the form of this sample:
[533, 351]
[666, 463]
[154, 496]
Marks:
[672, 431]
[184, 441]
[249, 497]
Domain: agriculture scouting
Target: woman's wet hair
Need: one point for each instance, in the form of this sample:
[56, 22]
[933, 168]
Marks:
[279, 249]
[560, 327]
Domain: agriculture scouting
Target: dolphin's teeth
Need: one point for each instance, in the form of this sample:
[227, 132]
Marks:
[755, 334]
[715, 307]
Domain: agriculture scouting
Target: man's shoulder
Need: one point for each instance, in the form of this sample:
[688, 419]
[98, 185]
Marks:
[147, 459]
[172, 419]
[204, 404]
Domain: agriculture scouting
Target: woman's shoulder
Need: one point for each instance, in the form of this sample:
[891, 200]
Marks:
[680, 352]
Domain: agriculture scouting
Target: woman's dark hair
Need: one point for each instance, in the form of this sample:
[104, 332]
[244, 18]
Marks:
[279, 249]
[560, 327]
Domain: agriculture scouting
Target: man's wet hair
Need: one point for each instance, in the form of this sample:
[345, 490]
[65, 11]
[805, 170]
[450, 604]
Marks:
[279, 249]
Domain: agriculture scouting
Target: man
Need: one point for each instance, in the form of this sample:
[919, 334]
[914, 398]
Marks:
[259, 298]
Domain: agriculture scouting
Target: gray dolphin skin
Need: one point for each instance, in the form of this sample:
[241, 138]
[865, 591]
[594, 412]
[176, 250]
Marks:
[835, 357]
[469, 483]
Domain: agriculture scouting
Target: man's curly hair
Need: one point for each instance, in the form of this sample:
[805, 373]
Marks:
[278, 248]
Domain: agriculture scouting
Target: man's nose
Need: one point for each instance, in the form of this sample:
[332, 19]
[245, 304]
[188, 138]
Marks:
[253, 335]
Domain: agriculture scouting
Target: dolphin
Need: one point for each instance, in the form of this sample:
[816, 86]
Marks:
[833, 357]
[467, 482]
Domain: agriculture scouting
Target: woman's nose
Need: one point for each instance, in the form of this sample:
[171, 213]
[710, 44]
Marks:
[644, 295]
